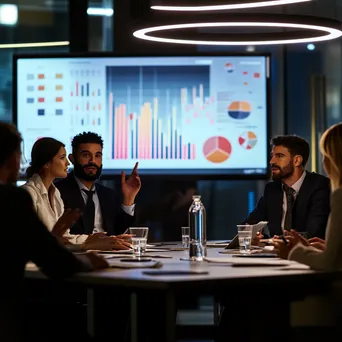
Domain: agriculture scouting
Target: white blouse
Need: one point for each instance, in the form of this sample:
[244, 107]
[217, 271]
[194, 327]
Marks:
[48, 214]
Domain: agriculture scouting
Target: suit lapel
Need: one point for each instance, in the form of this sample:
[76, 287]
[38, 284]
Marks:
[76, 193]
[277, 210]
[77, 199]
[104, 210]
[302, 201]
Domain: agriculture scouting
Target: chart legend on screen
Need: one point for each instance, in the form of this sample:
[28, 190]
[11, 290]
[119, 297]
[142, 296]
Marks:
[217, 149]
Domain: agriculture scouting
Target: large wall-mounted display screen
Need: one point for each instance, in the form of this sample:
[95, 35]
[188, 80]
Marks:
[189, 115]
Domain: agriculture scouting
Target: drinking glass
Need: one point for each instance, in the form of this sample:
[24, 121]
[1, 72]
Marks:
[139, 239]
[245, 237]
[186, 237]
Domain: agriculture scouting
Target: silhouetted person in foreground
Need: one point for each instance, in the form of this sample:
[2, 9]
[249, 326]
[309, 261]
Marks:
[24, 238]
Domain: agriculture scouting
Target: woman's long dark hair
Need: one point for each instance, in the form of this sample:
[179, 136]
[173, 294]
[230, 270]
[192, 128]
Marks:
[42, 152]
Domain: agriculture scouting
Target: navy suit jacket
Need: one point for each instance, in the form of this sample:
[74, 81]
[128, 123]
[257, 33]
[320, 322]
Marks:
[310, 212]
[115, 220]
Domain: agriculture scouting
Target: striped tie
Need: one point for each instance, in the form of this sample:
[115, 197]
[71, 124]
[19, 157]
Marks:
[290, 192]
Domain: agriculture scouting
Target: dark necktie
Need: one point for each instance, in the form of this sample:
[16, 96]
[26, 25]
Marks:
[290, 192]
[89, 213]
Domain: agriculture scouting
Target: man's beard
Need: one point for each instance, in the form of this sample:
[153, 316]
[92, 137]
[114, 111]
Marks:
[284, 172]
[79, 171]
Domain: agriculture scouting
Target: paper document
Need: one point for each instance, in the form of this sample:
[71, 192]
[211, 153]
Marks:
[129, 251]
[121, 251]
[250, 262]
[114, 263]
[296, 267]
[111, 256]
[217, 244]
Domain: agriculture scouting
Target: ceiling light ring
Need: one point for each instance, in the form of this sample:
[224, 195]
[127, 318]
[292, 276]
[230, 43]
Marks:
[254, 4]
[331, 28]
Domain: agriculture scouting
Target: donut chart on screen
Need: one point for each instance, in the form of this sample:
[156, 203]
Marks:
[217, 149]
[248, 140]
[239, 110]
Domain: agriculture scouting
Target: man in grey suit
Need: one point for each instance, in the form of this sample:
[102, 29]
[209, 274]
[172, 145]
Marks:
[25, 238]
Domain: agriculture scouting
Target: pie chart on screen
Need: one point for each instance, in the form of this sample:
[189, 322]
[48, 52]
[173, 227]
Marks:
[239, 110]
[248, 140]
[217, 149]
[229, 67]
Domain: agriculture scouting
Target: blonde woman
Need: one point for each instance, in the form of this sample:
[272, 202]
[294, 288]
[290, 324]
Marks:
[330, 256]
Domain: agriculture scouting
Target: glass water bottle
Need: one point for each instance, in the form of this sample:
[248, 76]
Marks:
[198, 230]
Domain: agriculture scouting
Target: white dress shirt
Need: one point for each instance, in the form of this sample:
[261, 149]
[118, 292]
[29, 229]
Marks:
[49, 214]
[98, 222]
[296, 187]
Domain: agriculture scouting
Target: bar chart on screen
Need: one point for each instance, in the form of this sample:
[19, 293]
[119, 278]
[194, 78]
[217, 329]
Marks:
[142, 136]
[151, 111]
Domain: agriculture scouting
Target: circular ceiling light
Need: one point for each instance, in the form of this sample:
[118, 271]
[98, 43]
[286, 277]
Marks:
[237, 5]
[304, 29]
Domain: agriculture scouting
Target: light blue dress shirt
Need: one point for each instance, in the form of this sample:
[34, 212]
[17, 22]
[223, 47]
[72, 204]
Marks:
[98, 222]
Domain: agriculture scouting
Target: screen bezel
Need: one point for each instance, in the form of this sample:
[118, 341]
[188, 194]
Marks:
[179, 176]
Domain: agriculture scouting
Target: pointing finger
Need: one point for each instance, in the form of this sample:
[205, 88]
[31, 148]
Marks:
[135, 169]
[123, 177]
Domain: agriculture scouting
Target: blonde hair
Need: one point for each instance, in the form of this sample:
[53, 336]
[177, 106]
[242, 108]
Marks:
[331, 149]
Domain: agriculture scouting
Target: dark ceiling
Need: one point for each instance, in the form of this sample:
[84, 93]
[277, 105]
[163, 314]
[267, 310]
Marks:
[324, 8]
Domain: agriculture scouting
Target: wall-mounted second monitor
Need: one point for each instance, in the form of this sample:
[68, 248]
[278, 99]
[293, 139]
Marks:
[185, 115]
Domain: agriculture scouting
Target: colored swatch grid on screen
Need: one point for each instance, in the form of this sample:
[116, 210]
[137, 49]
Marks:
[146, 110]
[37, 92]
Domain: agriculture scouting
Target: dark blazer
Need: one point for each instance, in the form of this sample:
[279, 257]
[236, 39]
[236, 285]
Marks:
[115, 220]
[310, 212]
[25, 238]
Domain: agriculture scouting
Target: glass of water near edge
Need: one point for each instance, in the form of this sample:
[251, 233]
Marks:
[139, 239]
[186, 237]
[245, 237]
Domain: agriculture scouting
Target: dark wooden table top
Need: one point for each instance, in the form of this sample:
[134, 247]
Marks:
[220, 277]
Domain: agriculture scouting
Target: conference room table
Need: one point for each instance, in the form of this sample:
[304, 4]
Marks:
[220, 280]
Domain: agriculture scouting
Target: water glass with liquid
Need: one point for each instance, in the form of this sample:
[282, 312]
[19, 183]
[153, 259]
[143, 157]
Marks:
[186, 237]
[245, 237]
[138, 239]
